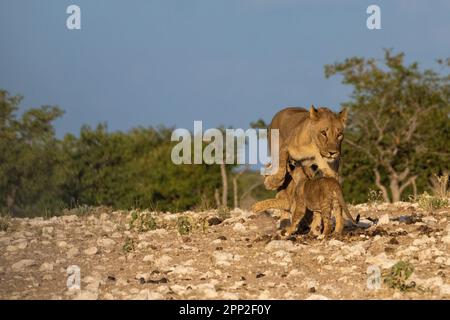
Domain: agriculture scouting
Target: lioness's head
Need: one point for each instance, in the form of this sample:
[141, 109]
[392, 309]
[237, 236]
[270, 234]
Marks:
[327, 131]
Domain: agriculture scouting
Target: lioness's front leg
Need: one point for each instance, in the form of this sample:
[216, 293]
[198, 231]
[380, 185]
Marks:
[274, 181]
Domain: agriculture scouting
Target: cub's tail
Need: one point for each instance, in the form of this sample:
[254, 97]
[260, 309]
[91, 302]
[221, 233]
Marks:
[343, 205]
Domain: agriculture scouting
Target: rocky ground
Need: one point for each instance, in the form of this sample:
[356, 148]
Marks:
[238, 256]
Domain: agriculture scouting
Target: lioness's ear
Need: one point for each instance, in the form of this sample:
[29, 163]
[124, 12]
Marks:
[313, 113]
[343, 115]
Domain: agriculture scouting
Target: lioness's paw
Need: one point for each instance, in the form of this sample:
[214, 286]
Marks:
[273, 182]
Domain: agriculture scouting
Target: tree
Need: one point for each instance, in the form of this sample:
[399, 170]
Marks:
[399, 117]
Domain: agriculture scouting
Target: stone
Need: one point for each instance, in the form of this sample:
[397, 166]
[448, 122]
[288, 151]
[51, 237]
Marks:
[22, 265]
[317, 297]
[46, 267]
[381, 260]
[163, 261]
[73, 252]
[239, 227]
[384, 219]
[91, 251]
[106, 242]
[446, 239]
[224, 258]
[148, 258]
[276, 245]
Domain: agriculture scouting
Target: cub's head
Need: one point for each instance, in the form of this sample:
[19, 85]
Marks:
[327, 131]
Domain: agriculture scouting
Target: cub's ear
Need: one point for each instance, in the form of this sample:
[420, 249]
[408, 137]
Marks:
[313, 113]
[343, 115]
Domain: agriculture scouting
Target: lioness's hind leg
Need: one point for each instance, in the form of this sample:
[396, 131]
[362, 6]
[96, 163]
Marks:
[261, 206]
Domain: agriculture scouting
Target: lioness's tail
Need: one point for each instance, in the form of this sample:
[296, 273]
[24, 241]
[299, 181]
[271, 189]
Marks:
[343, 205]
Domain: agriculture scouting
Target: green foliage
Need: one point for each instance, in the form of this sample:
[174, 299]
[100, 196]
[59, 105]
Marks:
[397, 276]
[129, 245]
[430, 203]
[223, 213]
[184, 225]
[4, 223]
[42, 175]
[398, 126]
[374, 197]
[142, 221]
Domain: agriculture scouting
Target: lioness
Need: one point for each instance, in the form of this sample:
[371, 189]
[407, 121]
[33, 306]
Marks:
[313, 136]
[318, 195]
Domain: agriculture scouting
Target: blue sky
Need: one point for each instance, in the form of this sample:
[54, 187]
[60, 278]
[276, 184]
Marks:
[229, 62]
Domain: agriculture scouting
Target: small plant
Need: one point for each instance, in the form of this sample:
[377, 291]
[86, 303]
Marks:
[4, 223]
[205, 204]
[129, 245]
[80, 210]
[375, 197]
[142, 221]
[223, 213]
[429, 202]
[397, 276]
[184, 225]
[439, 185]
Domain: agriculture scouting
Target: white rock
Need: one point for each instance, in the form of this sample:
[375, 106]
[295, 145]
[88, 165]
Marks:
[23, 264]
[86, 295]
[445, 289]
[91, 251]
[163, 261]
[335, 243]
[45, 267]
[69, 218]
[182, 270]
[106, 242]
[148, 258]
[384, 219]
[446, 239]
[62, 244]
[73, 252]
[424, 240]
[239, 227]
[317, 297]
[276, 245]
[47, 231]
[320, 259]
[381, 260]
[225, 258]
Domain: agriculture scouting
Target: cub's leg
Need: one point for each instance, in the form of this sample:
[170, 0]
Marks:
[299, 212]
[339, 221]
[275, 180]
[327, 209]
[316, 224]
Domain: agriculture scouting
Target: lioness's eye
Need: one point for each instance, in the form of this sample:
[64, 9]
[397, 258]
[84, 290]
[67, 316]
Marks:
[324, 133]
[339, 135]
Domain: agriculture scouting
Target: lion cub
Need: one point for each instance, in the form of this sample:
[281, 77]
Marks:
[318, 194]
